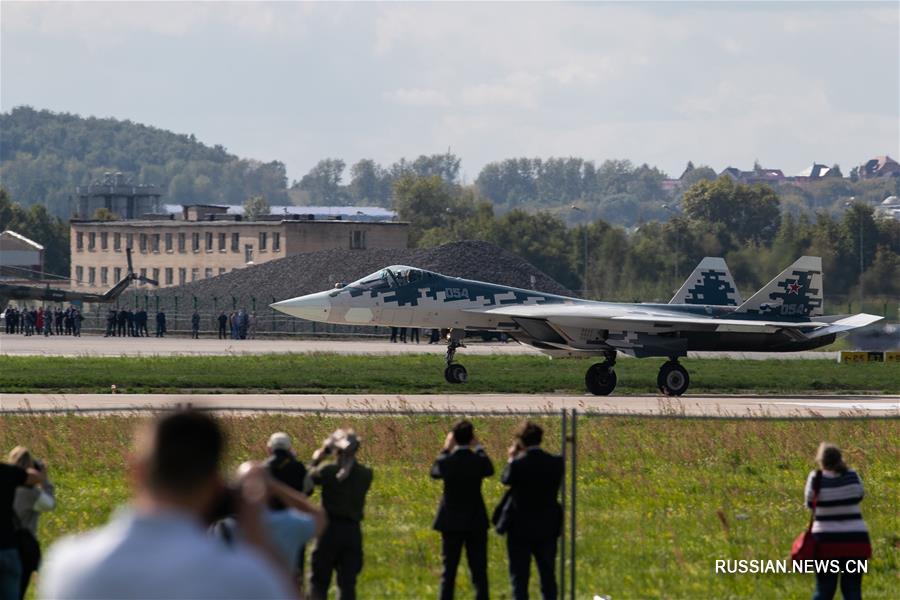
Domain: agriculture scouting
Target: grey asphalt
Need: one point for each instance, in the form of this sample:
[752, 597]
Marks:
[95, 345]
[710, 406]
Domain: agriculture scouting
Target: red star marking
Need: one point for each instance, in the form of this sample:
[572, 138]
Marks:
[793, 288]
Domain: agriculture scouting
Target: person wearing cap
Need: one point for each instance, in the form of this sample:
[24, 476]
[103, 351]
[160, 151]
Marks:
[283, 465]
[344, 482]
[462, 517]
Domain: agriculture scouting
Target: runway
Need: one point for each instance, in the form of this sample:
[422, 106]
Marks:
[96, 345]
[694, 406]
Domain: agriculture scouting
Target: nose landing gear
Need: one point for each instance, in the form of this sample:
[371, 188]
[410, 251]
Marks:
[673, 379]
[455, 372]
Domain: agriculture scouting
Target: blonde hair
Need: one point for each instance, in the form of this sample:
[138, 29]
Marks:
[21, 457]
[829, 457]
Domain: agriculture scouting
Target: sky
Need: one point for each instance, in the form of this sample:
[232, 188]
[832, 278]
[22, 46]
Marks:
[722, 84]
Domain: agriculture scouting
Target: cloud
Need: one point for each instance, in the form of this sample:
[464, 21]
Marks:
[418, 97]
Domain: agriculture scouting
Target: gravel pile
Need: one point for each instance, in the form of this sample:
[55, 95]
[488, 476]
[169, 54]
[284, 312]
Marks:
[316, 271]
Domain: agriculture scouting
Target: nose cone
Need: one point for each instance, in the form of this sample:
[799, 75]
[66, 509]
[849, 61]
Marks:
[312, 307]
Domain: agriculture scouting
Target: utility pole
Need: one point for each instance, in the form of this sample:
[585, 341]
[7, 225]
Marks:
[859, 217]
[584, 282]
[677, 239]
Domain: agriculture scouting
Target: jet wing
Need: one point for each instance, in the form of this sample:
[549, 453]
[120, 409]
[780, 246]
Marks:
[845, 325]
[611, 316]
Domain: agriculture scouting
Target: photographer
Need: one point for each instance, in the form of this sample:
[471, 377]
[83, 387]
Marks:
[345, 482]
[462, 517]
[158, 547]
[291, 520]
[29, 503]
[535, 515]
[11, 477]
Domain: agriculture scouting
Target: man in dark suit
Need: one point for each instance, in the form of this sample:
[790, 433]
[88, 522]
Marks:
[535, 515]
[462, 517]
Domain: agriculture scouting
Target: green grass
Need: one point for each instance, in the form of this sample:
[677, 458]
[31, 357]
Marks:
[330, 373]
[659, 500]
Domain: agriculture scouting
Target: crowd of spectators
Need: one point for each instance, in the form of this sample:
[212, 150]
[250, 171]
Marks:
[38, 321]
[193, 531]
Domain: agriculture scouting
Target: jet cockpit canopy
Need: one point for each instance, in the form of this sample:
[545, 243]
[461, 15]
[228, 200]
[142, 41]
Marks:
[390, 278]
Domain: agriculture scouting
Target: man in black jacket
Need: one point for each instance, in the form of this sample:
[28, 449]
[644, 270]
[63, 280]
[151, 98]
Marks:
[534, 477]
[462, 517]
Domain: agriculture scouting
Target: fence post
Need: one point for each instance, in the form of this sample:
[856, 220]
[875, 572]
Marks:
[175, 320]
[562, 536]
[574, 455]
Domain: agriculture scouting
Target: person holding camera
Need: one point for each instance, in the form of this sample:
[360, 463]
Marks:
[534, 514]
[344, 482]
[29, 503]
[462, 517]
[11, 478]
[159, 547]
[291, 520]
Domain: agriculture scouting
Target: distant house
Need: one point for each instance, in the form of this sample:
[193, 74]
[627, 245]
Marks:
[816, 171]
[889, 208]
[20, 257]
[880, 166]
[767, 176]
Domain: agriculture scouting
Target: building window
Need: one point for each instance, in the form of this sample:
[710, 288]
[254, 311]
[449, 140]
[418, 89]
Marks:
[143, 240]
[79, 240]
[262, 241]
[235, 242]
[221, 270]
[223, 241]
[168, 242]
[104, 275]
[92, 275]
[117, 274]
[182, 276]
[248, 253]
[129, 240]
[195, 273]
[207, 273]
[144, 275]
[156, 275]
[276, 242]
[168, 275]
[155, 242]
[104, 240]
[358, 240]
[92, 241]
[79, 275]
[195, 242]
[182, 242]
[209, 241]
[117, 242]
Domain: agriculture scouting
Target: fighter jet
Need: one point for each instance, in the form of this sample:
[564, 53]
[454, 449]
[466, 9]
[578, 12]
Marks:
[706, 314]
[46, 293]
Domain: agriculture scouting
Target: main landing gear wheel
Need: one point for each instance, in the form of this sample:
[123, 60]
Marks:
[673, 379]
[456, 373]
[600, 378]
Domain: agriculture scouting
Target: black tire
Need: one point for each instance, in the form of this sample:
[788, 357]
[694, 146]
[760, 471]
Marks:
[600, 379]
[456, 374]
[673, 379]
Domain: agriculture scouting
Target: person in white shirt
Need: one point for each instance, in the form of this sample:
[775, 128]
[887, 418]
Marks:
[159, 547]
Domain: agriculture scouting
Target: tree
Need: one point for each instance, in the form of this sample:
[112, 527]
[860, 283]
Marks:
[254, 207]
[370, 184]
[104, 214]
[323, 182]
[39, 225]
[425, 202]
[750, 213]
[701, 173]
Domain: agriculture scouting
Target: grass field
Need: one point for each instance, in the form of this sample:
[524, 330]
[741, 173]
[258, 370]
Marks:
[659, 500]
[411, 374]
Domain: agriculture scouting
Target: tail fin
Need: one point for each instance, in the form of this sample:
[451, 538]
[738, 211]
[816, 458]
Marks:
[711, 283]
[795, 292]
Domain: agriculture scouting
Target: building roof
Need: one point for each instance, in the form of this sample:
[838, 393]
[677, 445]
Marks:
[357, 213]
[814, 171]
[21, 238]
